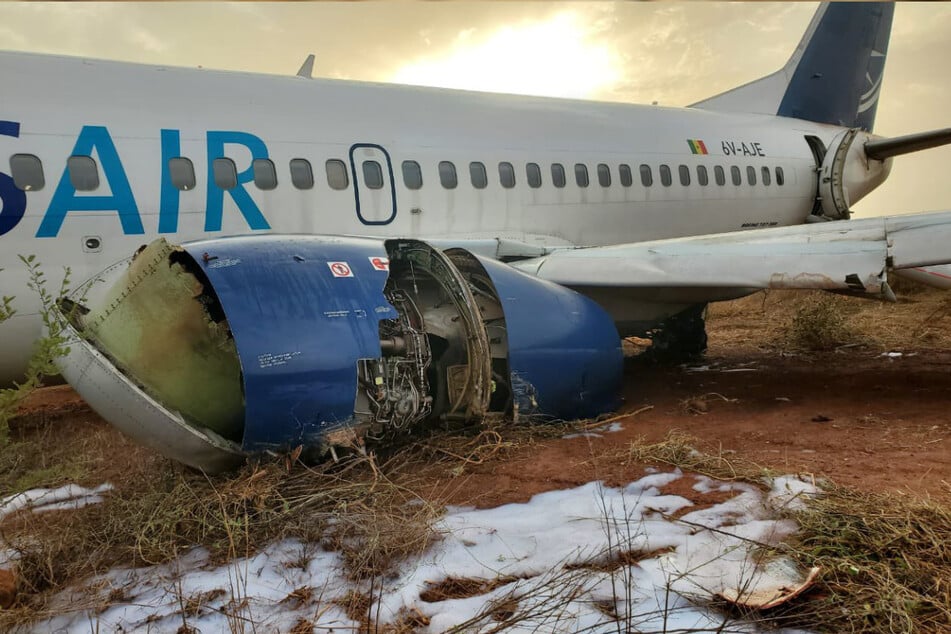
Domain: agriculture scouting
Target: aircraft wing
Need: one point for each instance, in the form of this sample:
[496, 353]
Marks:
[850, 256]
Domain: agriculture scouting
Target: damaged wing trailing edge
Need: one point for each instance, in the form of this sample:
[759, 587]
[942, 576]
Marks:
[214, 350]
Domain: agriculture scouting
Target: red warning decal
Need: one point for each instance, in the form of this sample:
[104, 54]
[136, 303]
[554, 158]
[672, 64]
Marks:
[380, 264]
[340, 269]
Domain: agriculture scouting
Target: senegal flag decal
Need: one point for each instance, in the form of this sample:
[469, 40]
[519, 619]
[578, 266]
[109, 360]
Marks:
[697, 146]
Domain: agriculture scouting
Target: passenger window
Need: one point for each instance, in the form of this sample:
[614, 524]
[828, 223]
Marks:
[534, 175]
[647, 176]
[27, 172]
[507, 175]
[624, 171]
[302, 174]
[478, 176]
[719, 175]
[447, 175]
[558, 175]
[581, 174]
[412, 175]
[225, 173]
[373, 174]
[182, 173]
[684, 175]
[83, 173]
[337, 174]
[702, 176]
[765, 172]
[735, 175]
[265, 176]
[751, 174]
[665, 177]
[604, 175]
[780, 177]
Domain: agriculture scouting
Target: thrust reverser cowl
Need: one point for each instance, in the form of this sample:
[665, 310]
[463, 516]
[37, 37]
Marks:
[222, 348]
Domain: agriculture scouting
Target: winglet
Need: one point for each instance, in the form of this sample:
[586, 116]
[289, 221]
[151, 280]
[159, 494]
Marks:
[307, 68]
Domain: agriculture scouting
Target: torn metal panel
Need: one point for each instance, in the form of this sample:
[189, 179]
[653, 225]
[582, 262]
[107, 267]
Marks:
[156, 325]
[125, 405]
[773, 584]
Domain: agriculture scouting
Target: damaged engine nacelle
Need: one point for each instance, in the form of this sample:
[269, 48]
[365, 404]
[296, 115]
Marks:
[218, 349]
[847, 174]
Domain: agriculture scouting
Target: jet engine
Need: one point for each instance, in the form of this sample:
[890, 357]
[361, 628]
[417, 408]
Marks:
[215, 350]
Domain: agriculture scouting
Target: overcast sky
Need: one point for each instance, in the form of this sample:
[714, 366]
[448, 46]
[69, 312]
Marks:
[671, 53]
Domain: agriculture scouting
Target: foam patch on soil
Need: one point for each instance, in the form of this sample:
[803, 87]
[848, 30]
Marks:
[591, 558]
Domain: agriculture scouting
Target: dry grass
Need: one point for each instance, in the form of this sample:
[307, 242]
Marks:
[679, 450]
[766, 320]
[820, 323]
[365, 510]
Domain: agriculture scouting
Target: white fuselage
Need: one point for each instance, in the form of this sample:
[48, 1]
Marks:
[132, 119]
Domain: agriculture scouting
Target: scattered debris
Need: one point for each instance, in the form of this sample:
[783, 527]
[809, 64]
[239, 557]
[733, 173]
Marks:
[701, 404]
[780, 580]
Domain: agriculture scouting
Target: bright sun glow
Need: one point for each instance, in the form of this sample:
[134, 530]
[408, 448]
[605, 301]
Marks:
[559, 57]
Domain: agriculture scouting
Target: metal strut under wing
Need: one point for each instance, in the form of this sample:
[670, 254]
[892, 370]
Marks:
[850, 257]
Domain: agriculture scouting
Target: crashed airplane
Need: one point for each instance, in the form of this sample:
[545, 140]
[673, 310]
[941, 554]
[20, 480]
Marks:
[505, 245]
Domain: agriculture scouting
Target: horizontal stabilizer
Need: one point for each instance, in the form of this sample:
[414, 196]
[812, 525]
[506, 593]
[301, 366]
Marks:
[882, 149]
[934, 276]
[851, 257]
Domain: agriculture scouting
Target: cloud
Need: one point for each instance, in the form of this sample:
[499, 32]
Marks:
[560, 55]
[146, 40]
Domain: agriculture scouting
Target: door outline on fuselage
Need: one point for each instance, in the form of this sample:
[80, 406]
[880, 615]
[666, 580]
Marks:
[357, 178]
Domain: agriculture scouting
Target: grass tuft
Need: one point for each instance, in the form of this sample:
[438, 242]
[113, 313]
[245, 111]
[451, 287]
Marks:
[678, 450]
[886, 563]
[819, 324]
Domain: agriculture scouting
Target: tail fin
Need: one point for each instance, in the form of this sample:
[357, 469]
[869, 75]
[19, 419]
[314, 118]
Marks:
[834, 76]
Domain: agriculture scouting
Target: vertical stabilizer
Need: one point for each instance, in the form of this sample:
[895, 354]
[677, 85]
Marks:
[834, 76]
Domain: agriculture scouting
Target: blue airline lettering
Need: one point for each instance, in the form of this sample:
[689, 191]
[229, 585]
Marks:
[169, 196]
[12, 198]
[215, 200]
[121, 201]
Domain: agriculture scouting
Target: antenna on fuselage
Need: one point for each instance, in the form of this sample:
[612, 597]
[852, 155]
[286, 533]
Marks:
[307, 68]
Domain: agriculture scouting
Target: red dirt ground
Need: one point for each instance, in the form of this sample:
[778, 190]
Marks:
[865, 421]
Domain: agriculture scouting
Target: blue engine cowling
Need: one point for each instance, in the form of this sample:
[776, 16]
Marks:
[339, 336]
